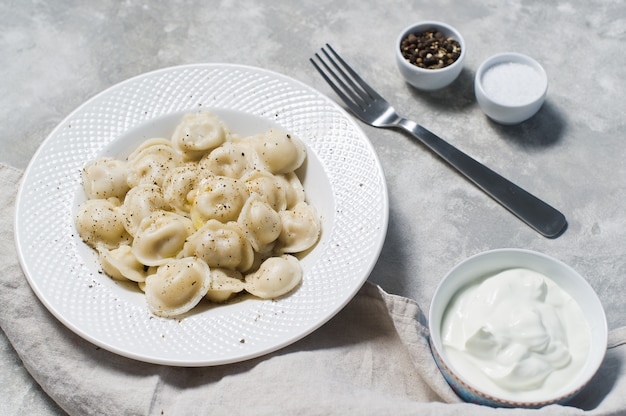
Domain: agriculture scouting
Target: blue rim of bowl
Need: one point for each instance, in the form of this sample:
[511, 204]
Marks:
[496, 400]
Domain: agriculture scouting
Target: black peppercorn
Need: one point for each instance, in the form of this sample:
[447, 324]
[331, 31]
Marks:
[430, 49]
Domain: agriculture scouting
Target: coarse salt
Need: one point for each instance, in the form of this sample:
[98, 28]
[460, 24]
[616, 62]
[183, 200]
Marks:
[512, 83]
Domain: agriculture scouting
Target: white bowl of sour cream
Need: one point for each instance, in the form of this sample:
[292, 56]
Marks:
[516, 328]
[510, 87]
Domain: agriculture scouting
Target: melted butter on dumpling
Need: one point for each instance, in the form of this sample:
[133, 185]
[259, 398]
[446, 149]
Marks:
[177, 286]
[160, 237]
[276, 277]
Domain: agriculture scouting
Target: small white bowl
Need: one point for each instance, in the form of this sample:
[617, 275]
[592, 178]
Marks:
[489, 263]
[510, 87]
[430, 79]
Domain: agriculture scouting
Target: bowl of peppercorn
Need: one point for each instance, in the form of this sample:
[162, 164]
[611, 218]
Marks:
[430, 55]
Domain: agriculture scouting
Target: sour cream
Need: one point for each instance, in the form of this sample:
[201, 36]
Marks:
[515, 333]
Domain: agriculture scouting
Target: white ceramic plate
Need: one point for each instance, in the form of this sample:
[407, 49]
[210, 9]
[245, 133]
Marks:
[343, 179]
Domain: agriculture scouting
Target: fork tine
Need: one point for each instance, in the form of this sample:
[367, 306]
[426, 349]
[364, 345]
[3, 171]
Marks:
[341, 89]
[357, 94]
[329, 81]
[357, 97]
[364, 85]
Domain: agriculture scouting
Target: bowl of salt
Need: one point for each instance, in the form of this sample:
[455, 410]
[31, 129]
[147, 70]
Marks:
[510, 87]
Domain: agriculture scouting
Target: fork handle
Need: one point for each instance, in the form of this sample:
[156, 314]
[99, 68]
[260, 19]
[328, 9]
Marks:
[536, 213]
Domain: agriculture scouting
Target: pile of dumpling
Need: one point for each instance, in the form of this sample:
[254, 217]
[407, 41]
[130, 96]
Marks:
[205, 214]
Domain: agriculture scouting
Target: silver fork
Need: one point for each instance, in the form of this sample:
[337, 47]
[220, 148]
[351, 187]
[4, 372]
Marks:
[372, 109]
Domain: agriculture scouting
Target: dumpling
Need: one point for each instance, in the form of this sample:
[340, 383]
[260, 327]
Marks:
[140, 202]
[276, 277]
[177, 286]
[260, 223]
[156, 141]
[121, 264]
[221, 245]
[105, 178]
[99, 222]
[150, 165]
[300, 229]
[160, 237]
[185, 218]
[197, 134]
[218, 197]
[230, 159]
[280, 152]
[294, 191]
[178, 187]
[224, 284]
[268, 186]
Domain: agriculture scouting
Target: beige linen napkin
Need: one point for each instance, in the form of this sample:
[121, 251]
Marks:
[372, 358]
